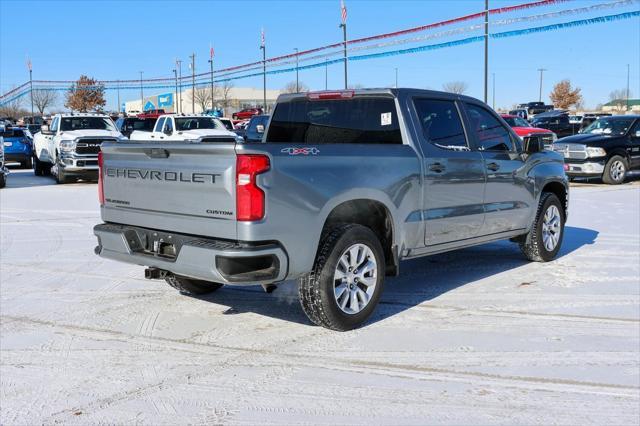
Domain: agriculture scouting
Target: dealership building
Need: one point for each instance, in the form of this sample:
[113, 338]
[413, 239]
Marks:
[237, 98]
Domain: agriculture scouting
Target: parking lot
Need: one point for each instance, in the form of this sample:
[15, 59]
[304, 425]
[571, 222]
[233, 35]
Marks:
[477, 335]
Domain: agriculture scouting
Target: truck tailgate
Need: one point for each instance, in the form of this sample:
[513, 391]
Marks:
[179, 187]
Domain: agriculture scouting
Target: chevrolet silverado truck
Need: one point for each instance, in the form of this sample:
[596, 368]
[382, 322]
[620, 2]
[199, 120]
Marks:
[178, 128]
[341, 188]
[69, 147]
[609, 148]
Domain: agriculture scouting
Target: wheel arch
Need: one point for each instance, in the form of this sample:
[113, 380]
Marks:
[371, 213]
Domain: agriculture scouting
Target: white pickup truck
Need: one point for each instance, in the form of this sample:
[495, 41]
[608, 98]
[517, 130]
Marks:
[178, 128]
[69, 147]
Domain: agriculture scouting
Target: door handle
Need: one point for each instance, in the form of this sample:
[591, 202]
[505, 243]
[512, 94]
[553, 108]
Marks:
[493, 166]
[436, 167]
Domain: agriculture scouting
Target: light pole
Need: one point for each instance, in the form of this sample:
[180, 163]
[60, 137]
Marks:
[193, 83]
[493, 104]
[344, 37]
[326, 74]
[141, 94]
[118, 88]
[264, 71]
[175, 100]
[297, 81]
[179, 64]
[486, 50]
[627, 87]
[542, 70]
[211, 63]
[31, 90]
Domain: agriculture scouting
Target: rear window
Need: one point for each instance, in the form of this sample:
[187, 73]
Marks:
[361, 120]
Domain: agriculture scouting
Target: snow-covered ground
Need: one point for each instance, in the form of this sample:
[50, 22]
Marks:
[476, 336]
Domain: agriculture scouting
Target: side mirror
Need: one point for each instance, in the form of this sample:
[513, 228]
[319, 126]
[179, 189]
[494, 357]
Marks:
[45, 130]
[260, 128]
[167, 131]
[533, 144]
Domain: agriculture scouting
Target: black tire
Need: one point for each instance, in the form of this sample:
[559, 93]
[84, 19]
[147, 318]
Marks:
[3, 180]
[316, 288]
[612, 175]
[61, 176]
[532, 245]
[27, 164]
[191, 286]
[40, 168]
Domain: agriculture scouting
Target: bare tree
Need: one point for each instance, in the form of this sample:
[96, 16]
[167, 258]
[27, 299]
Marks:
[225, 93]
[457, 87]
[618, 99]
[42, 99]
[202, 97]
[290, 87]
[13, 109]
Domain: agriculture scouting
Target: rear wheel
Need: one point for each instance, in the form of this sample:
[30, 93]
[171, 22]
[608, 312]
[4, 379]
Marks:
[3, 180]
[543, 241]
[27, 164]
[40, 168]
[191, 286]
[344, 287]
[615, 171]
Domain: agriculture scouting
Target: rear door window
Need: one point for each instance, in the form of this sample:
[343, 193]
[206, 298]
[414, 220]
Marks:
[441, 123]
[359, 120]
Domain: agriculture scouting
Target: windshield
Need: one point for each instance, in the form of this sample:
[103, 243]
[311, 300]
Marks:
[516, 122]
[87, 123]
[608, 126]
[227, 124]
[193, 123]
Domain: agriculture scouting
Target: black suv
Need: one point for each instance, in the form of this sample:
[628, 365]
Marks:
[608, 148]
[558, 123]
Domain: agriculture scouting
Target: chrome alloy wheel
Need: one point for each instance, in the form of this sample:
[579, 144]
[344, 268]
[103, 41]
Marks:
[551, 228]
[355, 278]
[617, 171]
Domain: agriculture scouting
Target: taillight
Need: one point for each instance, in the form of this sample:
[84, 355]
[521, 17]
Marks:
[338, 94]
[249, 197]
[100, 180]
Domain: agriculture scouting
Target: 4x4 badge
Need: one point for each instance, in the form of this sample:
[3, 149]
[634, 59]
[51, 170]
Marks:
[300, 151]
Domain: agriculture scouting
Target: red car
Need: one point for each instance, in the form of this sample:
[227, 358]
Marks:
[246, 113]
[523, 128]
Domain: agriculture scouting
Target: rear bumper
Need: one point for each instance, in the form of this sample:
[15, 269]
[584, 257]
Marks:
[17, 157]
[207, 259]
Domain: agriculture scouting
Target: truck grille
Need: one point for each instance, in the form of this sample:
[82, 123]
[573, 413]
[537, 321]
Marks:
[89, 146]
[573, 151]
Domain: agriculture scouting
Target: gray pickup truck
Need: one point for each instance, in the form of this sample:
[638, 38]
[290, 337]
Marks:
[343, 186]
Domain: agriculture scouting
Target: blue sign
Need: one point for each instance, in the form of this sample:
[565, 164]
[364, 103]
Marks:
[165, 100]
[149, 105]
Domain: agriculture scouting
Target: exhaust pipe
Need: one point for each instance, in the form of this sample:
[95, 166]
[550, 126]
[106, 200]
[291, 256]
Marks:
[155, 273]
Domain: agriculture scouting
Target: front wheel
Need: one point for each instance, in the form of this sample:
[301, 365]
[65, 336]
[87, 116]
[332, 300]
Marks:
[344, 287]
[40, 168]
[543, 241]
[61, 176]
[191, 286]
[615, 171]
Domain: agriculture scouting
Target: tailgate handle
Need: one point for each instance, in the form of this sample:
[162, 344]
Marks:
[157, 153]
